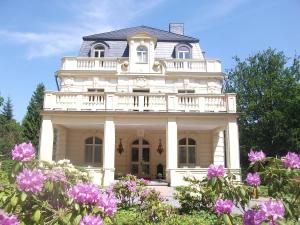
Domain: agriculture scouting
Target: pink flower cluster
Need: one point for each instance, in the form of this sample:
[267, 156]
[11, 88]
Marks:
[291, 160]
[84, 193]
[253, 179]
[56, 175]
[215, 171]
[223, 206]
[254, 156]
[270, 210]
[91, 220]
[23, 152]
[131, 185]
[107, 201]
[31, 180]
[6, 219]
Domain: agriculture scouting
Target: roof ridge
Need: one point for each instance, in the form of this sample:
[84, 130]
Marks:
[125, 31]
[181, 35]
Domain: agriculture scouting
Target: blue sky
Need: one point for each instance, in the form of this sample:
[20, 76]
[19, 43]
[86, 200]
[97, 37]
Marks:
[35, 34]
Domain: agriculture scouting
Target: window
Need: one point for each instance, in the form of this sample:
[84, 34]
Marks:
[142, 54]
[93, 150]
[187, 152]
[183, 52]
[99, 51]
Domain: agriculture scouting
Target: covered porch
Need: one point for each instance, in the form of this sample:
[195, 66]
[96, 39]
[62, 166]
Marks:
[149, 145]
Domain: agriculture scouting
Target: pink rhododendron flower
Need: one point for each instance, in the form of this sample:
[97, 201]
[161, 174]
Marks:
[85, 193]
[254, 217]
[273, 209]
[91, 220]
[6, 219]
[223, 206]
[56, 175]
[146, 182]
[31, 180]
[291, 160]
[253, 179]
[131, 185]
[107, 201]
[23, 152]
[215, 171]
[254, 156]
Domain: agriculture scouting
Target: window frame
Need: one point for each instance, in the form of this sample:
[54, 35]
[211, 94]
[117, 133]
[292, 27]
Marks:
[185, 147]
[181, 53]
[94, 145]
[143, 57]
[99, 51]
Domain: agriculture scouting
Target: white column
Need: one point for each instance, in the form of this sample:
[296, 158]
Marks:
[61, 143]
[172, 161]
[109, 151]
[232, 141]
[219, 148]
[46, 140]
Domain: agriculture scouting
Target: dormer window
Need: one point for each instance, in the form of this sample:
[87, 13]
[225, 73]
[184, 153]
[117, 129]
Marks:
[99, 51]
[183, 52]
[142, 54]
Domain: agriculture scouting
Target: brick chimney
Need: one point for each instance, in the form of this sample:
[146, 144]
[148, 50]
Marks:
[176, 28]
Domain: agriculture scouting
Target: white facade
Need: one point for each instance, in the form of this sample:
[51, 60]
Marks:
[145, 113]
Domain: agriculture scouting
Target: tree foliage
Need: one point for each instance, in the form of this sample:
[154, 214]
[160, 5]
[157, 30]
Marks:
[10, 130]
[268, 98]
[7, 110]
[32, 120]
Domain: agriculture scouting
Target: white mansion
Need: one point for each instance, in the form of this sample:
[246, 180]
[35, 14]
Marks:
[143, 101]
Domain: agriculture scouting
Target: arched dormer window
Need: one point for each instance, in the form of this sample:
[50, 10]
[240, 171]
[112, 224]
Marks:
[93, 150]
[142, 54]
[99, 51]
[187, 152]
[183, 51]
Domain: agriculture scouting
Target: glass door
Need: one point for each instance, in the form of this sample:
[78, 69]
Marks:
[140, 158]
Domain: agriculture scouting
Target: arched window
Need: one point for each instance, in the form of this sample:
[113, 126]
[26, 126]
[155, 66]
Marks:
[183, 52]
[142, 54]
[99, 51]
[187, 152]
[93, 150]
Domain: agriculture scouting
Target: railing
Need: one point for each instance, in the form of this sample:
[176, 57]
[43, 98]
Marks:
[87, 63]
[121, 65]
[89, 101]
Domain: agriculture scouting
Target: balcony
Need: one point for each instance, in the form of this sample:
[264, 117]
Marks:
[142, 102]
[121, 65]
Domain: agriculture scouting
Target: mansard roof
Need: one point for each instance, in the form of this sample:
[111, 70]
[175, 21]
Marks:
[123, 34]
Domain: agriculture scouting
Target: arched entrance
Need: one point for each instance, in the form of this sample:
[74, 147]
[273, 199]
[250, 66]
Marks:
[140, 158]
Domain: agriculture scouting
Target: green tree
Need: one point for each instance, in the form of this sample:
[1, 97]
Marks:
[10, 130]
[268, 98]
[7, 110]
[32, 120]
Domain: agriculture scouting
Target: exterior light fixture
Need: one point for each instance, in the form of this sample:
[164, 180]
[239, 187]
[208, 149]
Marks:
[160, 148]
[120, 148]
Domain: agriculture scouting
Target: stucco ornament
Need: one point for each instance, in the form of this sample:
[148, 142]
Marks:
[141, 82]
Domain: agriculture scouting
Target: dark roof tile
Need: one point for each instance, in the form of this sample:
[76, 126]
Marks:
[122, 34]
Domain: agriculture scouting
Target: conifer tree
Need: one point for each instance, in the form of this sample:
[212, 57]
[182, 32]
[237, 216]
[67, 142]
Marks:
[32, 120]
[7, 110]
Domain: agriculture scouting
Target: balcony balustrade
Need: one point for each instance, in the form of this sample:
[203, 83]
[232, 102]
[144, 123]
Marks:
[120, 65]
[87, 101]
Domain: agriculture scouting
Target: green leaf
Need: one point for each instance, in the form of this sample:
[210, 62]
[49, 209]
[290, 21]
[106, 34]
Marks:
[287, 208]
[227, 219]
[23, 196]
[37, 215]
[14, 201]
[77, 219]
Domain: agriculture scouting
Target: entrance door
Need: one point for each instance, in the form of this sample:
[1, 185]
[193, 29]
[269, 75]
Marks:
[140, 158]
